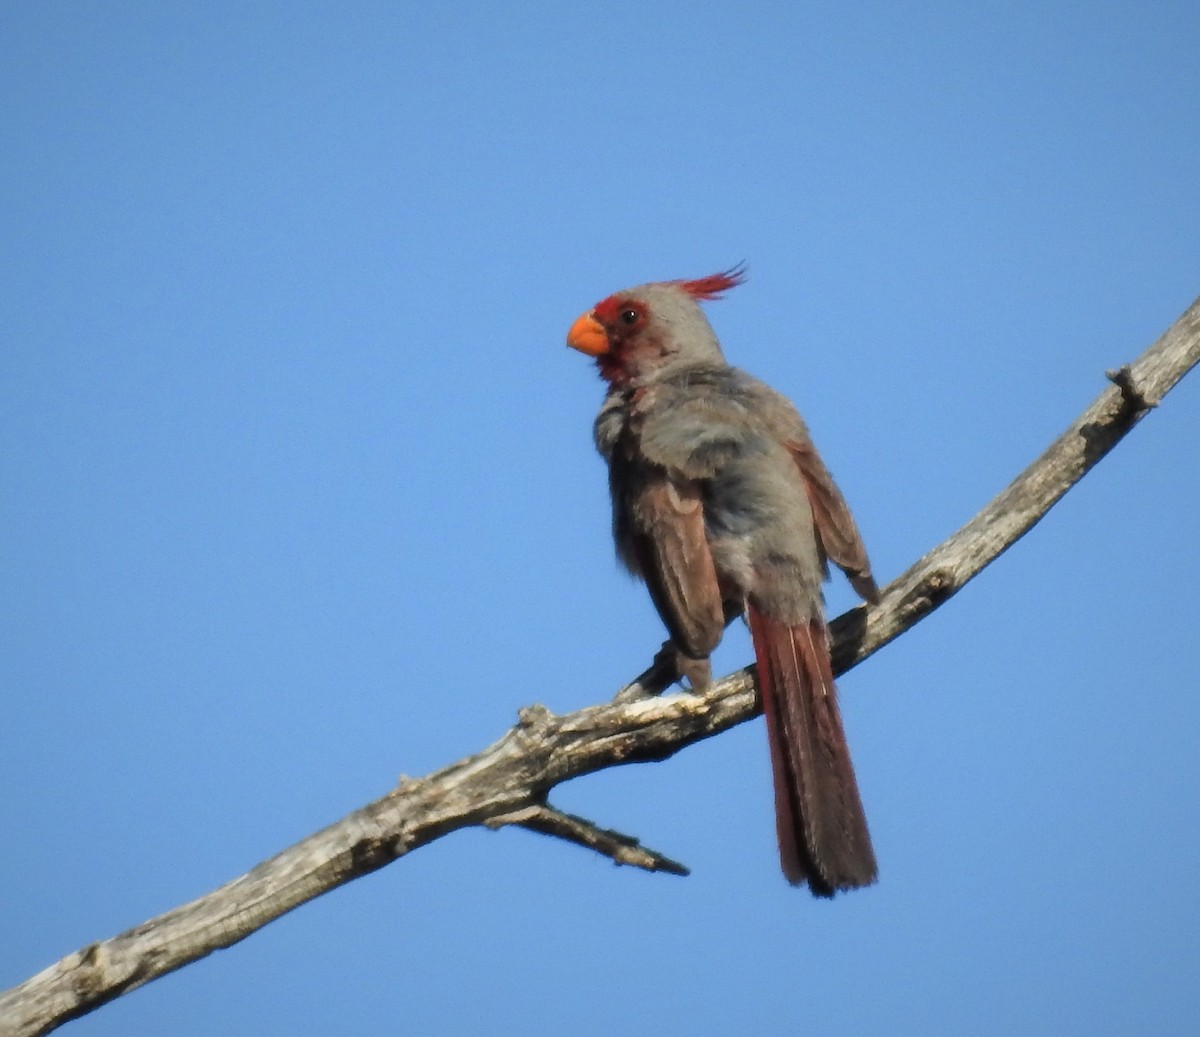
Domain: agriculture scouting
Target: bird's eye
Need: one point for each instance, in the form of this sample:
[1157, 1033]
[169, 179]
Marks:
[629, 317]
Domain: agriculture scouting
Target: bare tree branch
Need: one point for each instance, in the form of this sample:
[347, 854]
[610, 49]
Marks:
[623, 849]
[508, 782]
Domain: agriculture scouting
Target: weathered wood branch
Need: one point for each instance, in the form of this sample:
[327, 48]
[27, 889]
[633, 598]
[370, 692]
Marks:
[508, 782]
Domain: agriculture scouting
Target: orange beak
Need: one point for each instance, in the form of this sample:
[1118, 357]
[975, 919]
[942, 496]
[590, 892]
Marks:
[588, 336]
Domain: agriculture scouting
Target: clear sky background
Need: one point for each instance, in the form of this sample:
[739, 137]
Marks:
[297, 494]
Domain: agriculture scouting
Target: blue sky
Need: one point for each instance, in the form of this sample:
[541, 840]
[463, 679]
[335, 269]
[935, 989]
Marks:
[297, 494]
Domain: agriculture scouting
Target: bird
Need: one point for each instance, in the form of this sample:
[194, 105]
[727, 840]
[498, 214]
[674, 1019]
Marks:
[723, 507]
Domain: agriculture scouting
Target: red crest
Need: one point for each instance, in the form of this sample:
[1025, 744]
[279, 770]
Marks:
[713, 286]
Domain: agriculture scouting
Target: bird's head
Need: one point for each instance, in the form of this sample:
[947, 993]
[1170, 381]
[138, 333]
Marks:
[638, 334]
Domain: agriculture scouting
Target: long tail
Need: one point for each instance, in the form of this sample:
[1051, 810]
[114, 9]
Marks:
[823, 838]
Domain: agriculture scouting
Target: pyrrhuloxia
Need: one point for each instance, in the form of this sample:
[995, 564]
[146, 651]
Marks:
[723, 506]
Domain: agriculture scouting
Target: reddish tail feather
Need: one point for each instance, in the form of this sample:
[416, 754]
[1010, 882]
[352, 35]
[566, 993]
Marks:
[823, 837]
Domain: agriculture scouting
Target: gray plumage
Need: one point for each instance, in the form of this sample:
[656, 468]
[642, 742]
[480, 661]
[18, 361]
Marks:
[723, 506]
